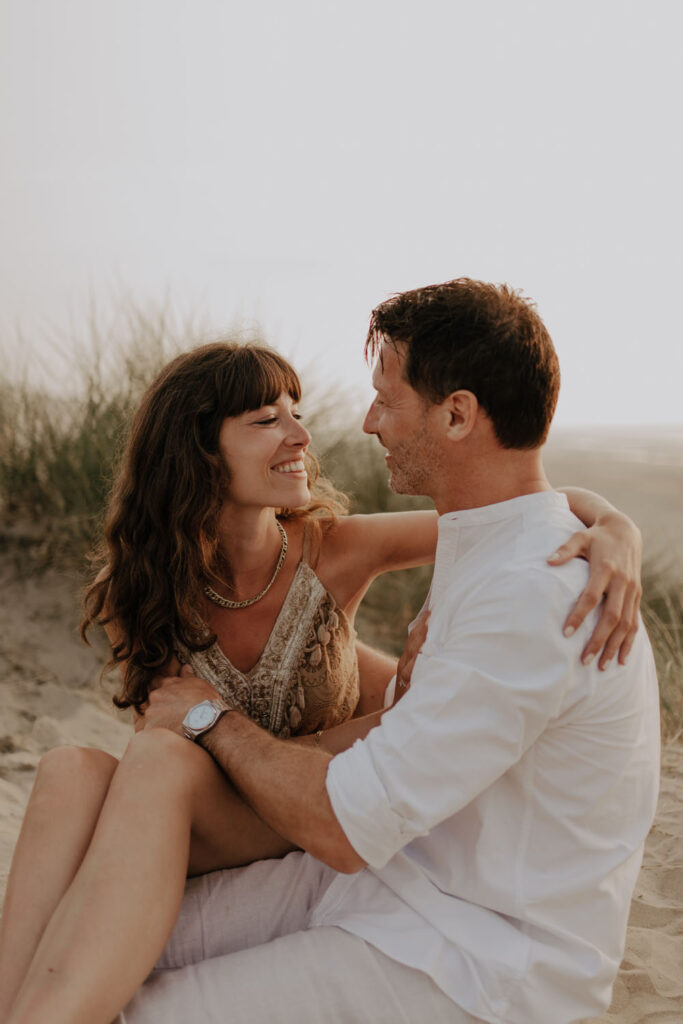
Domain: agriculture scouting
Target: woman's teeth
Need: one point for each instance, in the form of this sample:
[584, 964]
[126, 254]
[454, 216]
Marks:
[290, 467]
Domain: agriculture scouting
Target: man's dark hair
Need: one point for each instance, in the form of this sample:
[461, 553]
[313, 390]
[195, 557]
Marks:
[479, 337]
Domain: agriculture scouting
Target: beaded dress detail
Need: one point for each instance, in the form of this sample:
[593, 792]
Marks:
[307, 676]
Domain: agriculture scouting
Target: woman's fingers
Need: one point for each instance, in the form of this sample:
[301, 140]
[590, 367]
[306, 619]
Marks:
[618, 623]
[612, 625]
[614, 587]
[576, 546]
[634, 623]
[614, 562]
[621, 639]
[600, 582]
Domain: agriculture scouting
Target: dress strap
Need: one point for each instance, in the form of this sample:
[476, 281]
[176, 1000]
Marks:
[306, 549]
[310, 551]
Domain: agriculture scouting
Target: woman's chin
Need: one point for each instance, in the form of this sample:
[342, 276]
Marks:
[305, 499]
[300, 497]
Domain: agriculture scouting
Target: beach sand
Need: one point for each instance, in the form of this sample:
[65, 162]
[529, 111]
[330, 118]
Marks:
[49, 695]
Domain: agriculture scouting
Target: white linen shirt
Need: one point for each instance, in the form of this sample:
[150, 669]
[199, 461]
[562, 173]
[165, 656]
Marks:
[503, 803]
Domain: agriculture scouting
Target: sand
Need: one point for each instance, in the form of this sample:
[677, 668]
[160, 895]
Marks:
[49, 695]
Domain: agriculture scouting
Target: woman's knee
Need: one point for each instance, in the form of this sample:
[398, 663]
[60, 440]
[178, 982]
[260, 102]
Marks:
[159, 756]
[75, 772]
[156, 745]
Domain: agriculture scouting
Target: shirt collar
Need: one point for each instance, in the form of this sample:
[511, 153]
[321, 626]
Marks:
[461, 531]
[539, 501]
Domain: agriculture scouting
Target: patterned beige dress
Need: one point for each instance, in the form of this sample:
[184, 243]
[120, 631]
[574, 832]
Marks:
[307, 676]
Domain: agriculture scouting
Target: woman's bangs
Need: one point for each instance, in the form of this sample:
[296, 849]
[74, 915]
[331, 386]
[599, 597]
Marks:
[268, 377]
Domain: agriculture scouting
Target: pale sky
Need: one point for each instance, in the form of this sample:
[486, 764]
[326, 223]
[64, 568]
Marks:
[294, 163]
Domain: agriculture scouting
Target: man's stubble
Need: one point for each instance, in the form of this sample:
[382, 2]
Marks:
[417, 464]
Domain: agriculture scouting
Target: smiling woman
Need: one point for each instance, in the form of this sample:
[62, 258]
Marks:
[197, 500]
[263, 451]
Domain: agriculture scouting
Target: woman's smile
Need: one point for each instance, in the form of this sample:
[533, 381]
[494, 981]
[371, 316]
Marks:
[293, 467]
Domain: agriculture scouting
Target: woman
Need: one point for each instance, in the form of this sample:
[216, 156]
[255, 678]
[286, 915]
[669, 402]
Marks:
[224, 551]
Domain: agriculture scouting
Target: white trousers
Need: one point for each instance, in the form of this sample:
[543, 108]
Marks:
[242, 953]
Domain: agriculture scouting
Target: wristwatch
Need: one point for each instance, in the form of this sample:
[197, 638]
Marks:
[202, 717]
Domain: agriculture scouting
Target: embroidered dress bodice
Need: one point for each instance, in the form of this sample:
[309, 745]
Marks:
[307, 675]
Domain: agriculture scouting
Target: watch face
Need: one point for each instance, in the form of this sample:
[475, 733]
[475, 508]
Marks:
[200, 716]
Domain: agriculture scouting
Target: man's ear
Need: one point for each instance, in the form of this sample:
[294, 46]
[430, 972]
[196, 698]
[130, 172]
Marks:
[461, 409]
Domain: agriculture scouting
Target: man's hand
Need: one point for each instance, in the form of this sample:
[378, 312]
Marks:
[404, 669]
[172, 698]
[613, 548]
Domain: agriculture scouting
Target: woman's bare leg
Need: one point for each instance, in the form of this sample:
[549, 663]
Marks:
[110, 928]
[70, 788]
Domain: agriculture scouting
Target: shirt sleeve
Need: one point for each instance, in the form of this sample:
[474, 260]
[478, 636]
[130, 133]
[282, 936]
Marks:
[491, 676]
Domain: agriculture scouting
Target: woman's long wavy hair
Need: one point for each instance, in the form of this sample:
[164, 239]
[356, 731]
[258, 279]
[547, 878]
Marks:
[160, 537]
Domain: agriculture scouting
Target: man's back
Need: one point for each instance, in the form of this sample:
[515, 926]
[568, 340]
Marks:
[522, 782]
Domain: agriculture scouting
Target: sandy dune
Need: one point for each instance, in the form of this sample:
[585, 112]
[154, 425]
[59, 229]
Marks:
[49, 696]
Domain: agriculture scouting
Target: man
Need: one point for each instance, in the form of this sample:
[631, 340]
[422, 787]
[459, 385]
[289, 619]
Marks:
[474, 856]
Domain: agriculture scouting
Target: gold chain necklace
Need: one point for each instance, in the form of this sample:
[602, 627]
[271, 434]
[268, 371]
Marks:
[224, 602]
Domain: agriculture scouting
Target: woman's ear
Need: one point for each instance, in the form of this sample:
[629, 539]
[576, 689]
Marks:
[461, 409]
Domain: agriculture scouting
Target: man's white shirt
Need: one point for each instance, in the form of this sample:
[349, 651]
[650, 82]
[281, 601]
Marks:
[503, 803]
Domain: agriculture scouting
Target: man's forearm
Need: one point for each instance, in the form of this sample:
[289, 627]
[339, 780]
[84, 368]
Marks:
[284, 783]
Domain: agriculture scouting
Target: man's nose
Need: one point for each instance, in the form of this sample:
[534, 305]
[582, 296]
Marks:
[370, 421]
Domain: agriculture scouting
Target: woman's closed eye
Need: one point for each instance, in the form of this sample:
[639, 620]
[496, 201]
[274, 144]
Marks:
[274, 419]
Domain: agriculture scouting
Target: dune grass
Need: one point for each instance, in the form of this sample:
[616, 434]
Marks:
[662, 611]
[60, 438]
[58, 450]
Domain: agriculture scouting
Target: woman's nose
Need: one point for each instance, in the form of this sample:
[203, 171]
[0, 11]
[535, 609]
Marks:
[299, 435]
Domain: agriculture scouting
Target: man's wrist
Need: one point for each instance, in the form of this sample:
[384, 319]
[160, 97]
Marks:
[202, 717]
[210, 740]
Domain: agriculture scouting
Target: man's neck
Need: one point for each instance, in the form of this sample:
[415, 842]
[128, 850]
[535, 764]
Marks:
[500, 476]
